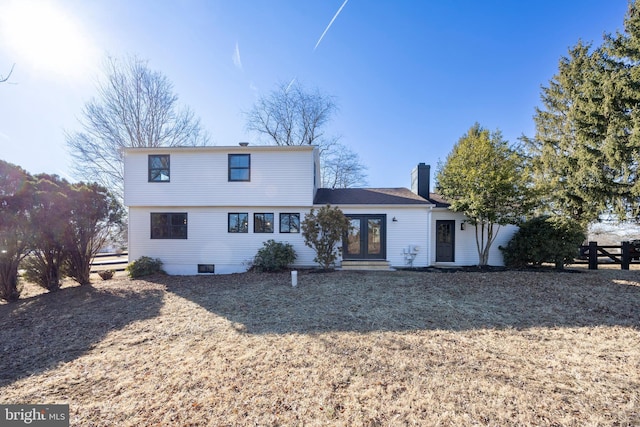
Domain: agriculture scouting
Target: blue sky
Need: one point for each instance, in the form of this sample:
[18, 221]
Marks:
[409, 77]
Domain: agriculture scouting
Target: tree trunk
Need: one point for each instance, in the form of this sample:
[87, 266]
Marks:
[559, 264]
[52, 269]
[84, 275]
[9, 281]
[80, 267]
[483, 243]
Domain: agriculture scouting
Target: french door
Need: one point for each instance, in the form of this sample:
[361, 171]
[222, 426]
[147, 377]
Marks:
[367, 238]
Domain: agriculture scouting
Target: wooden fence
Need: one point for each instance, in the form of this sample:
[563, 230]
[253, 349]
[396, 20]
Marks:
[625, 254]
[108, 261]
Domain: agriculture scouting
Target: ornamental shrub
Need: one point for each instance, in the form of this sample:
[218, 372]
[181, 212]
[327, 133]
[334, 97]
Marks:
[323, 232]
[551, 239]
[274, 256]
[144, 266]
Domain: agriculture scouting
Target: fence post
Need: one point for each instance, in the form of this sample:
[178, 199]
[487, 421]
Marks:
[593, 255]
[626, 255]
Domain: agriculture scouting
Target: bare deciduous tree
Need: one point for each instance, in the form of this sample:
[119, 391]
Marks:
[135, 107]
[291, 115]
[342, 168]
[4, 79]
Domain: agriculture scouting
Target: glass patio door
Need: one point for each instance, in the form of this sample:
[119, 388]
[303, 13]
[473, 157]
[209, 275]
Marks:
[367, 237]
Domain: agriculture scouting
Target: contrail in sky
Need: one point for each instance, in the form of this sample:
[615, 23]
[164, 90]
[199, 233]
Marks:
[330, 23]
[236, 58]
[289, 85]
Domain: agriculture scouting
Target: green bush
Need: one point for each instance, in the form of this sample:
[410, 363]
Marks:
[144, 266]
[543, 239]
[274, 256]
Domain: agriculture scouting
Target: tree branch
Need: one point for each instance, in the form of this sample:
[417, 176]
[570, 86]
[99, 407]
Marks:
[4, 79]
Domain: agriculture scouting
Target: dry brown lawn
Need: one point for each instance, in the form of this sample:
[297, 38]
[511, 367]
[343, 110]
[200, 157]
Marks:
[343, 348]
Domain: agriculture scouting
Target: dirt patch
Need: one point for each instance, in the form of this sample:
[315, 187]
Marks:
[342, 348]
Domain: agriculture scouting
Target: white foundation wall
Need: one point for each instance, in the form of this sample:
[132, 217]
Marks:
[466, 252]
[208, 241]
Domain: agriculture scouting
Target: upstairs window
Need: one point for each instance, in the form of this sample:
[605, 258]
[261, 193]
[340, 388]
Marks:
[169, 225]
[238, 223]
[239, 167]
[289, 222]
[159, 168]
[263, 223]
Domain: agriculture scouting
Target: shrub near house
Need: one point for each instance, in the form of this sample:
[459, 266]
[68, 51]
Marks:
[544, 239]
[144, 266]
[274, 256]
[323, 231]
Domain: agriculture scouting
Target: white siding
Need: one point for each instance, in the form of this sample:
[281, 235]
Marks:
[199, 177]
[283, 180]
[411, 228]
[208, 240]
[466, 252]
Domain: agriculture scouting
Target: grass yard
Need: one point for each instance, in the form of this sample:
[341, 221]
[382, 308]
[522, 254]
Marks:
[343, 348]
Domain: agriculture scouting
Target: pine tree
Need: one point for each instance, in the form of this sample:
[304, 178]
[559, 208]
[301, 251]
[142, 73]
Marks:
[585, 154]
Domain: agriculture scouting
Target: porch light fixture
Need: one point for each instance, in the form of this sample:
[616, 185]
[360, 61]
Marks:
[463, 226]
[394, 219]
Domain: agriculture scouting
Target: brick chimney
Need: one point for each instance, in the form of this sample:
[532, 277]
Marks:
[420, 176]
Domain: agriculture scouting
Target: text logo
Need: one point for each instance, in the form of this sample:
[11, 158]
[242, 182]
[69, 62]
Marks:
[34, 415]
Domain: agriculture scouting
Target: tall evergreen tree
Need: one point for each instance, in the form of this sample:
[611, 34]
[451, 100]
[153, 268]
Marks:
[566, 164]
[95, 216]
[49, 224]
[16, 202]
[585, 154]
[623, 108]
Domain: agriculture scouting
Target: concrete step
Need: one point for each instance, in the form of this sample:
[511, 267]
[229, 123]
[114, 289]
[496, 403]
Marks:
[381, 265]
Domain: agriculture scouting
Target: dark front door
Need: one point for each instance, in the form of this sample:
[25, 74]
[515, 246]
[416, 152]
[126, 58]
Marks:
[367, 237]
[445, 238]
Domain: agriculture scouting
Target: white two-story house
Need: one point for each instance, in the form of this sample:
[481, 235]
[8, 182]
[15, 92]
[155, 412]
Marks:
[209, 210]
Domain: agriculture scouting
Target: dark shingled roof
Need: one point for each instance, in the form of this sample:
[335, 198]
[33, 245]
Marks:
[438, 200]
[368, 196]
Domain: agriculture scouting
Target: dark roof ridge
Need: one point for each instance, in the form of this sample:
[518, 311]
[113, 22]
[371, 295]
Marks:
[369, 196]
